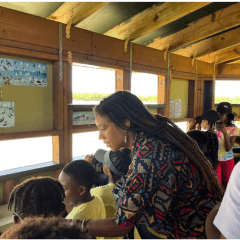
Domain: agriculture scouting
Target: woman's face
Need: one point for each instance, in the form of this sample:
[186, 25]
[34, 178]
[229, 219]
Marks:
[111, 135]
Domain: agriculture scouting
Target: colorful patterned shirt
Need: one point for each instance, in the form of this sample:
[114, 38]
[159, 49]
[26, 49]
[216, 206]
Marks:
[223, 155]
[163, 190]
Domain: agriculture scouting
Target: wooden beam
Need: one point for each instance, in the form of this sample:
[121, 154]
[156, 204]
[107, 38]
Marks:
[229, 54]
[213, 44]
[203, 28]
[153, 18]
[81, 10]
[228, 69]
[20, 135]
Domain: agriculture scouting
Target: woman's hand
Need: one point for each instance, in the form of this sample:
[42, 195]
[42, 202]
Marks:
[89, 158]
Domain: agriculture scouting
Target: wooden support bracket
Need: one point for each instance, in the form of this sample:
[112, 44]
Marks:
[68, 27]
[70, 57]
[194, 57]
[166, 52]
[215, 62]
[127, 40]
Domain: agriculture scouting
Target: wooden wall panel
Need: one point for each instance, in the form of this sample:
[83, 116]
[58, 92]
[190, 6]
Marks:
[107, 47]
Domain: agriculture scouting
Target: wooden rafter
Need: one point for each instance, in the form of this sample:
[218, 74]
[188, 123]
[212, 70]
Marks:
[81, 10]
[213, 44]
[153, 18]
[203, 28]
[230, 54]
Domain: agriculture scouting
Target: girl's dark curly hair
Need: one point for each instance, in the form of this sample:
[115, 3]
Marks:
[44, 228]
[38, 196]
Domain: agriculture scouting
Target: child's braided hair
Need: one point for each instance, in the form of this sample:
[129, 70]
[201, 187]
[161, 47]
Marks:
[42, 196]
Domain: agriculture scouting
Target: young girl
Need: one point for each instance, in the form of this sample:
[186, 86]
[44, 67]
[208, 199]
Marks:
[208, 124]
[227, 134]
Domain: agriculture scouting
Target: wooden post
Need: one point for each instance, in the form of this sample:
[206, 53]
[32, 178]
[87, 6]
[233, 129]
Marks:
[213, 91]
[126, 81]
[57, 141]
[118, 80]
[161, 96]
[167, 97]
[7, 189]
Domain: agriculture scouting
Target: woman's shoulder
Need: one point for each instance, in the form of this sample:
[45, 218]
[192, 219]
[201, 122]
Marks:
[157, 148]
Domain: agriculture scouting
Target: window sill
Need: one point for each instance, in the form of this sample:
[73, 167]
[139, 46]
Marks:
[29, 170]
[90, 107]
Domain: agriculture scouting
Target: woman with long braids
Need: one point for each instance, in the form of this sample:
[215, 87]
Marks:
[170, 187]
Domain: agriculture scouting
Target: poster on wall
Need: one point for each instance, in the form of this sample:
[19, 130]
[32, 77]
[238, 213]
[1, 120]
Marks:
[18, 72]
[178, 108]
[7, 114]
[83, 118]
[171, 108]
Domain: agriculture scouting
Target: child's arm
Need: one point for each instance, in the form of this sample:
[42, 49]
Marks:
[211, 231]
[192, 124]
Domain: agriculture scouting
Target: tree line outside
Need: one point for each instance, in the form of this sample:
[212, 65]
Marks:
[101, 96]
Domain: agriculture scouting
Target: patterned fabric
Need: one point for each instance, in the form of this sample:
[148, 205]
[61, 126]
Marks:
[163, 190]
[222, 154]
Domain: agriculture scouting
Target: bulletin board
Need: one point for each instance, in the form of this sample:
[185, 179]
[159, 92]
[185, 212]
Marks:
[33, 105]
[179, 98]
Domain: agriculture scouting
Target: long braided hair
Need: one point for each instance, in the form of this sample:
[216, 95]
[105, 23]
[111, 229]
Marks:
[42, 196]
[124, 105]
[212, 148]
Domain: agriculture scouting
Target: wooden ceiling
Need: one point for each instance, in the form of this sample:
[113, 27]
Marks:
[207, 30]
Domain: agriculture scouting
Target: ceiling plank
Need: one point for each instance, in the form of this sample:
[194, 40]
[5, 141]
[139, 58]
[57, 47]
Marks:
[210, 45]
[207, 26]
[226, 55]
[153, 18]
[81, 10]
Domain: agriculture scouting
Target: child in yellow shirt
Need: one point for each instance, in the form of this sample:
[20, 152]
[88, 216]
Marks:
[115, 165]
[77, 178]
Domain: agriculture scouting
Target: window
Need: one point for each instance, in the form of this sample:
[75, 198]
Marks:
[90, 84]
[145, 87]
[86, 143]
[182, 125]
[227, 91]
[24, 152]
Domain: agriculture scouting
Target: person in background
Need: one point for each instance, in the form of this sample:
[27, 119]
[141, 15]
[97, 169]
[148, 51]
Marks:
[42, 196]
[227, 134]
[224, 219]
[210, 119]
[115, 165]
[77, 178]
[195, 123]
[201, 139]
[44, 228]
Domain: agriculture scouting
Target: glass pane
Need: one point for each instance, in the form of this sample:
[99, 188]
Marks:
[90, 84]
[145, 86]
[25, 152]
[227, 91]
[182, 125]
[87, 143]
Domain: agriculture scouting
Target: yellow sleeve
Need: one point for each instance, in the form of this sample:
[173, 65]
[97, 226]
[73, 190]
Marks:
[80, 214]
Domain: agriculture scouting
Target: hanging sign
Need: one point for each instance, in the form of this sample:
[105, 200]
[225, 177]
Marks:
[83, 118]
[7, 114]
[18, 72]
